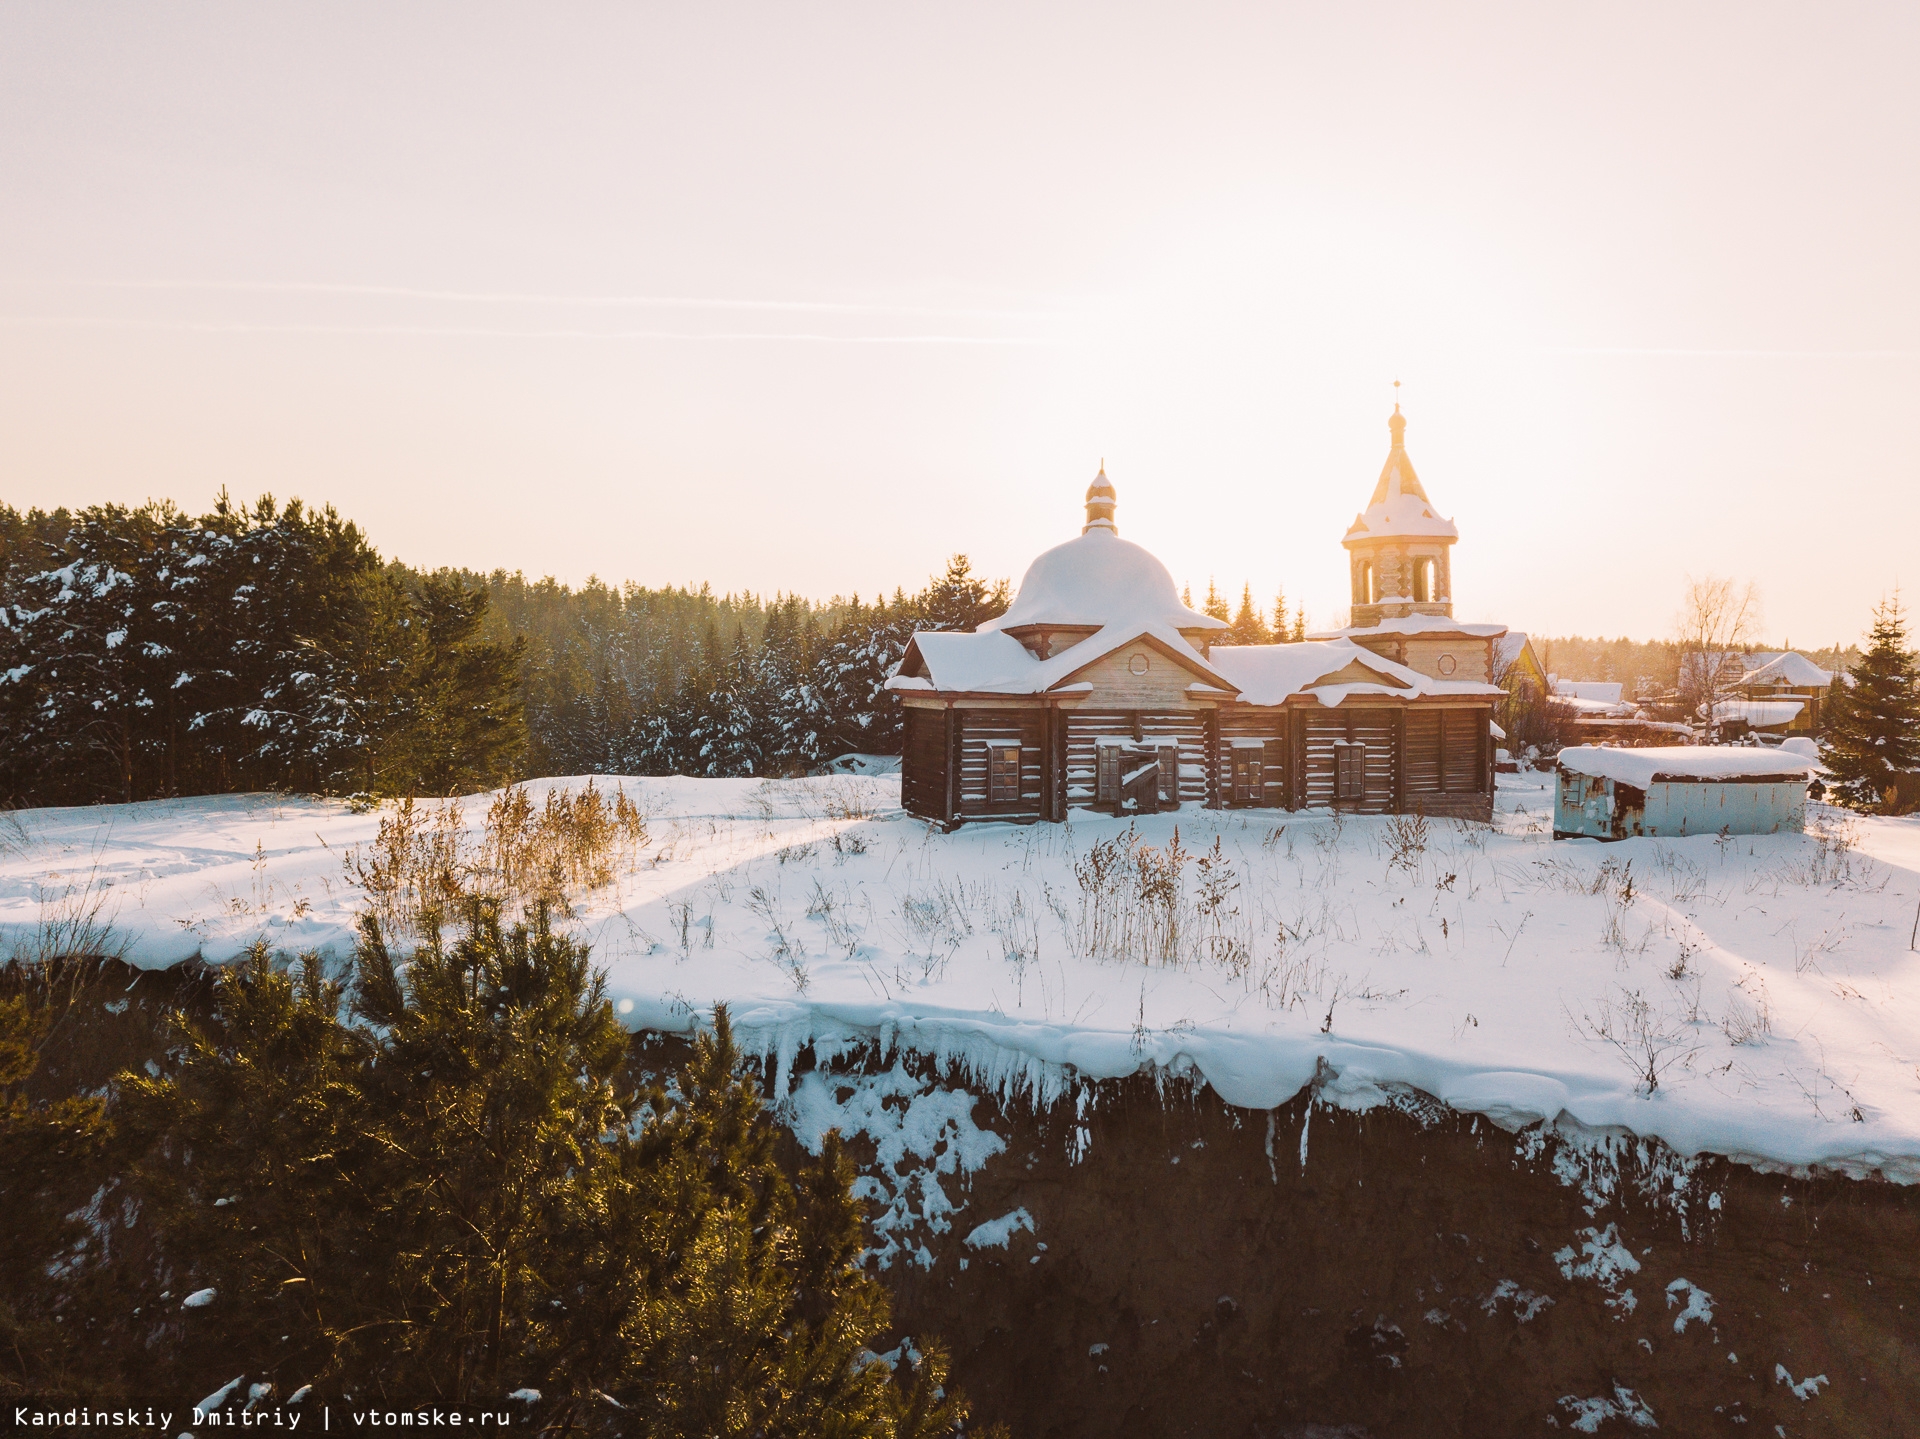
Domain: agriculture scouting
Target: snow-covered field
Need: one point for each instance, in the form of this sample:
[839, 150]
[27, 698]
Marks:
[1768, 984]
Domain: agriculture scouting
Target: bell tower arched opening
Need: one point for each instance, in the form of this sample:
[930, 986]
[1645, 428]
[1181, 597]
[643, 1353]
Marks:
[1400, 544]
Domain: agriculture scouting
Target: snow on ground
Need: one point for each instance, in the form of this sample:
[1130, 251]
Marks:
[1766, 983]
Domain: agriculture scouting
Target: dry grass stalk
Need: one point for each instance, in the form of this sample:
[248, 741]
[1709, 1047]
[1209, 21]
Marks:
[425, 857]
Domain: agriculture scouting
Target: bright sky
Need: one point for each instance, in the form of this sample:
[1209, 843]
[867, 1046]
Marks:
[806, 297]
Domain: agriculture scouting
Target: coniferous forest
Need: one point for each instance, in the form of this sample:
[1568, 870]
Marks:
[145, 652]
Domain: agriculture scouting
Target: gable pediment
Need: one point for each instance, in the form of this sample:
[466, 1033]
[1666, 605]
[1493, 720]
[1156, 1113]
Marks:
[1160, 656]
[1355, 673]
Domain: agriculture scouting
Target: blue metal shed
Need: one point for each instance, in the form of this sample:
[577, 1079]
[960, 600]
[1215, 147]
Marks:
[1607, 793]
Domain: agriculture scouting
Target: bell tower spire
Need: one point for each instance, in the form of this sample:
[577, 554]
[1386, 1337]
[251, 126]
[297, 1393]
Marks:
[1399, 545]
[1101, 499]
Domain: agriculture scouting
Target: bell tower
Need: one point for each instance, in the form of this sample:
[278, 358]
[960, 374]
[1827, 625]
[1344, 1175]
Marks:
[1398, 546]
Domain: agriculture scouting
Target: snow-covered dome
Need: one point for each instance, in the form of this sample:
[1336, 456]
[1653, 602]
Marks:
[1099, 579]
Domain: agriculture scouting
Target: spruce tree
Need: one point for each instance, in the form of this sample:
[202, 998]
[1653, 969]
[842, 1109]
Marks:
[960, 599]
[1215, 607]
[1280, 616]
[1873, 724]
[455, 721]
[1248, 627]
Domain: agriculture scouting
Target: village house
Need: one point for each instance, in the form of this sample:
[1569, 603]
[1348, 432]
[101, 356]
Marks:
[1099, 688]
[1788, 679]
[1768, 693]
[1515, 664]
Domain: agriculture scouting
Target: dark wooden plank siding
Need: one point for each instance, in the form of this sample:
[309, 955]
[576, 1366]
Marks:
[1446, 752]
[1268, 726]
[1323, 727]
[980, 728]
[1375, 728]
[923, 764]
[1423, 753]
[1463, 751]
[1188, 730]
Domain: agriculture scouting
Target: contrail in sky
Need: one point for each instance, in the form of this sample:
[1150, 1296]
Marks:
[508, 297]
[1634, 350]
[470, 332]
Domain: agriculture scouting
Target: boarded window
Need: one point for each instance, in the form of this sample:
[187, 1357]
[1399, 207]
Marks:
[1349, 769]
[1003, 774]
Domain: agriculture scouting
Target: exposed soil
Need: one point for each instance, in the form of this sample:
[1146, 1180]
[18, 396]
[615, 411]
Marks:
[1179, 1282]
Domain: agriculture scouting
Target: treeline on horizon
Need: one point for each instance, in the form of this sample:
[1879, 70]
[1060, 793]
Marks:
[1651, 664]
[147, 653]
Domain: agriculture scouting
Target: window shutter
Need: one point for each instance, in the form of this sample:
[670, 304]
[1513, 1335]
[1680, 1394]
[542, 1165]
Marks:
[1170, 774]
[1350, 769]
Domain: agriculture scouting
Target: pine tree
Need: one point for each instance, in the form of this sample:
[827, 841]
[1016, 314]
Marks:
[473, 1191]
[48, 1154]
[1280, 633]
[1873, 724]
[95, 641]
[1248, 627]
[254, 1160]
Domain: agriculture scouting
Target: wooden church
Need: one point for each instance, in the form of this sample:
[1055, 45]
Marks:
[1098, 688]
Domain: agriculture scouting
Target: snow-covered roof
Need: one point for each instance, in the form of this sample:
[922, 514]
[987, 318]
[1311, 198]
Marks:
[989, 662]
[992, 663]
[1427, 625]
[1268, 674]
[1642, 767]
[1600, 709]
[1758, 713]
[1399, 505]
[961, 660]
[1805, 749]
[1786, 668]
[1509, 647]
[1606, 691]
[1100, 579]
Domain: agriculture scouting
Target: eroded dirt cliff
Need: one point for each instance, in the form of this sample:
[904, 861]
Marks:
[1178, 1266]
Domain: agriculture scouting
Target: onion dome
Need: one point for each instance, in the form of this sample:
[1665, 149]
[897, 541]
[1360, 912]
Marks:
[1099, 579]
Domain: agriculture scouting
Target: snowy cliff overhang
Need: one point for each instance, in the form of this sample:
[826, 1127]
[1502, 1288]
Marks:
[1330, 671]
[991, 663]
[1688, 764]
